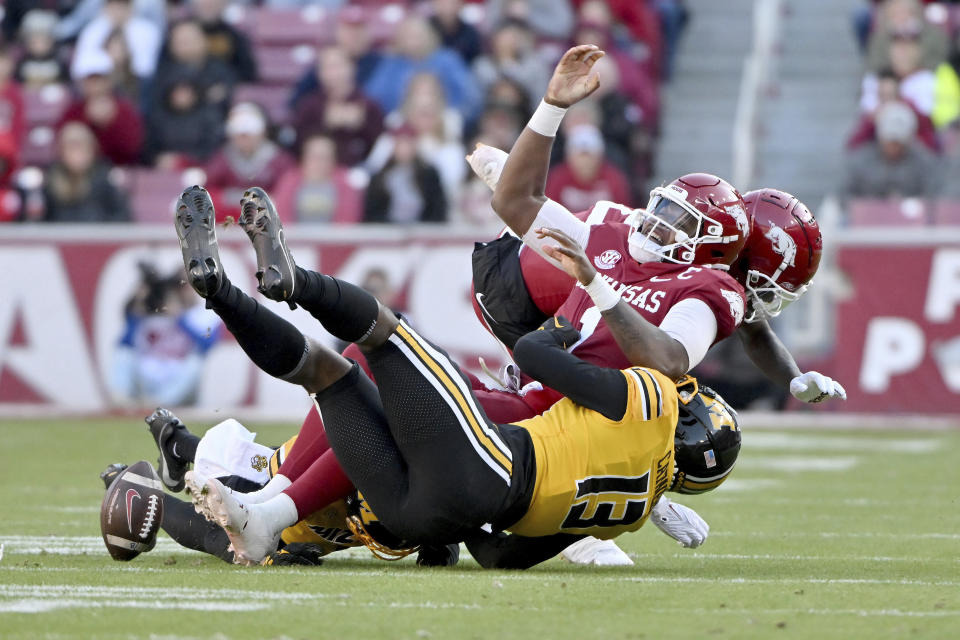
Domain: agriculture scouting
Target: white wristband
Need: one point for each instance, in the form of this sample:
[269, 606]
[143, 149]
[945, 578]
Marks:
[602, 294]
[546, 119]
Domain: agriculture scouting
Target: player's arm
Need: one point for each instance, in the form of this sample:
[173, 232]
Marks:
[519, 194]
[543, 355]
[643, 343]
[776, 362]
[510, 551]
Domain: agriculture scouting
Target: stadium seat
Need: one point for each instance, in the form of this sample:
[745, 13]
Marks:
[289, 27]
[153, 193]
[946, 213]
[45, 106]
[272, 99]
[283, 65]
[875, 212]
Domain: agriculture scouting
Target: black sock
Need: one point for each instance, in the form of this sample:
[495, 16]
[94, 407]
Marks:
[183, 445]
[345, 310]
[273, 344]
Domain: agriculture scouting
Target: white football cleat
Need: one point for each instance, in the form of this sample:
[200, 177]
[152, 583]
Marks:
[195, 483]
[599, 553]
[251, 536]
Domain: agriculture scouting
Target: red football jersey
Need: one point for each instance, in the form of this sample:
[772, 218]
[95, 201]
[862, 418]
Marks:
[652, 288]
[549, 286]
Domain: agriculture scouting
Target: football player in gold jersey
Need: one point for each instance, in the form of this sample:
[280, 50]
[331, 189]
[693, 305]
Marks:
[423, 453]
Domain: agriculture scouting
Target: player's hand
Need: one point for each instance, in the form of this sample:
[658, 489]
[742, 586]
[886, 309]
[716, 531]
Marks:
[487, 163]
[680, 523]
[569, 254]
[562, 330]
[574, 78]
[813, 386]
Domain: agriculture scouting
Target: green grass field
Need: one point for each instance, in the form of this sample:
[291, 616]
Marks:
[818, 534]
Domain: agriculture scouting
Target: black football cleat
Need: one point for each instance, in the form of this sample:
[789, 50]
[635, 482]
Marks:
[196, 227]
[276, 271]
[110, 474]
[162, 424]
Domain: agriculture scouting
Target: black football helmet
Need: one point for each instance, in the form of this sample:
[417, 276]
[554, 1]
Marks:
[707, 440]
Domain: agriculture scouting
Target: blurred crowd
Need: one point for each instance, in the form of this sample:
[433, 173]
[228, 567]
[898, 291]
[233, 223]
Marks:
[903, 155]
[346, 112]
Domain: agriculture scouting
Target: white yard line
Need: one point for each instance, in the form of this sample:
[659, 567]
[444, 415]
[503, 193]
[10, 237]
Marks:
[825, 442]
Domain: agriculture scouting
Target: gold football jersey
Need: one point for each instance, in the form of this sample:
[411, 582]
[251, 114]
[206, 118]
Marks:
[598, 476]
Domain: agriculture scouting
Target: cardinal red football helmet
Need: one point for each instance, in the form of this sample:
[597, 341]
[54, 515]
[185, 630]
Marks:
[781, 255]
[698, 218]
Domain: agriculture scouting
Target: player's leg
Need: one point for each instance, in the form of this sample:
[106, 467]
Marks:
[176, 444]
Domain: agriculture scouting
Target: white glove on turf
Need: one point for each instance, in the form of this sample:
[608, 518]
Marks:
[680, 523]
[487, 162]
[600, 553]
[813, 386]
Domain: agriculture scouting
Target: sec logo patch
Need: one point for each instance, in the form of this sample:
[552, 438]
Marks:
[608, 259]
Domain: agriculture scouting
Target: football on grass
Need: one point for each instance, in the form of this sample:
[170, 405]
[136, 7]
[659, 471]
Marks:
[131, 512]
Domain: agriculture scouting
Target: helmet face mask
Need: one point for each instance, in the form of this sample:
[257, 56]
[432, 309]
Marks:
[766, 298]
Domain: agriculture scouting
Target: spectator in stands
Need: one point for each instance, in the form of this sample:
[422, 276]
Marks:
[79, 185]
[14, 12]
[513, 55]
[183, 129]
[501, 121]
[114, 120]
[407, 189]
[916, 82]
[186, 54]
[339, 109]
[248, 158]
[225, 42]
[41, 63]
[12, 120]
[895, 165]
[628, 136]
[586, 177]
[550, 19]
[903, 20]
[455, 33]
[417, 49]
[946, 106]
[125, 81]
[318, 190]
[438, 130]
[635, 81]
[354, 38]
[83, 12]
[888, 90]
[633, 25]
[673, 16]
[142, 36]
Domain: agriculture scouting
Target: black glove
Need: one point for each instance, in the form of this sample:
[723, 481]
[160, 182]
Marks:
[297, 553]
[438, 556]
[562, 331]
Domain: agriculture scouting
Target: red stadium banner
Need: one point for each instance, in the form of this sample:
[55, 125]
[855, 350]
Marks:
[67, 341]
[898, 332]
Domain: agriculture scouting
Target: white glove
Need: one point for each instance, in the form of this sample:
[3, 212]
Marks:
[487, 162]
[599, 553]
[680, 523]
[813, 386]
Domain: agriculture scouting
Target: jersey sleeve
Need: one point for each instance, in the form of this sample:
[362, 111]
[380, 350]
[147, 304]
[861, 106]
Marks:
[650, 394]
[555, 215]
[726, 299]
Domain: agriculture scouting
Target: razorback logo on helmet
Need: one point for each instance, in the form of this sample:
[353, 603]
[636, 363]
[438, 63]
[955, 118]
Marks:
[736, 304]
[784, 245]
[740, 215]
[608, 259]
